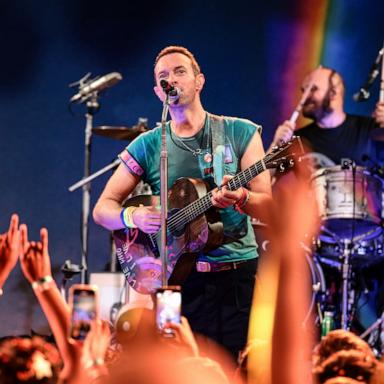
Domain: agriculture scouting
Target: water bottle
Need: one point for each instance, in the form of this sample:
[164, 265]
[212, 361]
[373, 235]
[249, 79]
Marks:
[328, 323]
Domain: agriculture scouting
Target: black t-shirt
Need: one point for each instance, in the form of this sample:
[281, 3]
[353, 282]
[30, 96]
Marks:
[350, 140]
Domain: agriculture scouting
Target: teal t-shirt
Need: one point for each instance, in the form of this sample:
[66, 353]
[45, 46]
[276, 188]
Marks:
[192, 157]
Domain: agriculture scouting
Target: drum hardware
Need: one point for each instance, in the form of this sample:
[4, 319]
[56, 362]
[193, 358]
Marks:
[363, 93]
[345, 277]
[88, 92]
[69, 270]
[349, 200]
[141, 189]
[376, 333]
[122, 133]
[364, 250]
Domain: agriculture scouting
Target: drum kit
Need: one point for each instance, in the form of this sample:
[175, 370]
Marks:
[347, 254]
[348, 247]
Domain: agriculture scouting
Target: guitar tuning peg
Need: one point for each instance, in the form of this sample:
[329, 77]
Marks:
[281, 167]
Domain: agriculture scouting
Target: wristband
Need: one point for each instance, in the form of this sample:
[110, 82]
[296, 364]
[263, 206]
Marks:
[42, 284]
[126, 216]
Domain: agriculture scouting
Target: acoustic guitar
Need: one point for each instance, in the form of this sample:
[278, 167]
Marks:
[193, 225]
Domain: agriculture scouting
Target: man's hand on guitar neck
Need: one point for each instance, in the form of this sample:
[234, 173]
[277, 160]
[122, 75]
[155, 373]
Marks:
[222, 197]
[147, 219]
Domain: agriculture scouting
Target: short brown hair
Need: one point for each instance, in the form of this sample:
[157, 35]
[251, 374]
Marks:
[184, 51]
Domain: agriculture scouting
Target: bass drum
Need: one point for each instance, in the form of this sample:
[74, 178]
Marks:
[349, 202]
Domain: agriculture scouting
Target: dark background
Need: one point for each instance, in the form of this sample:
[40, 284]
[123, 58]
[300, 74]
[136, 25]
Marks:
[243, 49]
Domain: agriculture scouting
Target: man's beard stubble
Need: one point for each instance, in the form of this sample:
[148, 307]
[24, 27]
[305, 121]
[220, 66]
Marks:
[318, 111]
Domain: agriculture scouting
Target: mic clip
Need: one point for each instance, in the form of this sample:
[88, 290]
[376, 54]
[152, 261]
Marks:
[347, 163]
[169, 89]
[85, 80]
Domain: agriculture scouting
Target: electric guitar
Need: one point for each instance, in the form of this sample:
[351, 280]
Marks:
[193, 225]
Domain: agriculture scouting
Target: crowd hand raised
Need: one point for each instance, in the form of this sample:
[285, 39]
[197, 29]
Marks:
[34, 256]
[85, 362]
[96, 343]
[147, 219]
[378, 114]
[9, 249]
[183, 337]
[223, 197]
[283, 133]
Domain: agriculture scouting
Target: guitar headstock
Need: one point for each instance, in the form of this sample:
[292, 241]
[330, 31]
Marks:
[283, 156]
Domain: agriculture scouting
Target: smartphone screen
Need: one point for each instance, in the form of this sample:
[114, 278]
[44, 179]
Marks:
[84, 309]
[168, 308]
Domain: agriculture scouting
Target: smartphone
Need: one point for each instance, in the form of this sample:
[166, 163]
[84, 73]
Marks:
[168, 308]
[84, 305]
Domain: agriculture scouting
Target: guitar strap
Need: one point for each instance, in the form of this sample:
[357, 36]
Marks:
[218, 147]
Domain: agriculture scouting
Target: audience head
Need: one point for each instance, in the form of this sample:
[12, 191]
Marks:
[28, 361]
[135, 325]
[352, 364]
[339, 340]
[343, 354]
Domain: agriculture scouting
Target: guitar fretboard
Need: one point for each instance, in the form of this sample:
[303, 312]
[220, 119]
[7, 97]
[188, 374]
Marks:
[198, 207]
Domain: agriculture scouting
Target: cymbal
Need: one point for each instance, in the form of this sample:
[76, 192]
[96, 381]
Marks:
[377, 134]
[120, 133]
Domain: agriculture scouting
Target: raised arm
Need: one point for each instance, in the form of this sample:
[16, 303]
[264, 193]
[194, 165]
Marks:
[9, 250]
[36, 267]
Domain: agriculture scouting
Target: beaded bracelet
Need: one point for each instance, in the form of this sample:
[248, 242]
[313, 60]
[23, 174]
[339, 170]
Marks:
[42, 284]
[126, 216]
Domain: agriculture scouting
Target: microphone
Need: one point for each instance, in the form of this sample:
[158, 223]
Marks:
[106, 81]
[363, 94]
[170, 90]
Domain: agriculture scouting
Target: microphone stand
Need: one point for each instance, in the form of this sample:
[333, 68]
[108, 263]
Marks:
[92, 108]
[164, 192]
[381, 95]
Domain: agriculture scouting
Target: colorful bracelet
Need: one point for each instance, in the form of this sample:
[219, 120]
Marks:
[126, 216]
[242, 202]
[42, 284]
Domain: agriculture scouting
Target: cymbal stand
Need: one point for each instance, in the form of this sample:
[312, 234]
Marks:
[381, 94]
[378, 322]
[345, 277]
[92, 107]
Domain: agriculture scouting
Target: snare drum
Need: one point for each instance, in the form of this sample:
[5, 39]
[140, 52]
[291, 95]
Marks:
[349, 201]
